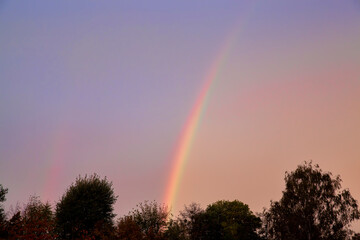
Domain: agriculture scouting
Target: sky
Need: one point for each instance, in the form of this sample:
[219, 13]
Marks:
[107, 87]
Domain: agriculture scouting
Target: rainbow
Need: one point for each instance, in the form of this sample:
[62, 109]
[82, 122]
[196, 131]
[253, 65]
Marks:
[57, 155]
[189, 131]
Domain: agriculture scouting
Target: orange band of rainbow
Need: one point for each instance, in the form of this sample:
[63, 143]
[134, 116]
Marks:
[192, 123]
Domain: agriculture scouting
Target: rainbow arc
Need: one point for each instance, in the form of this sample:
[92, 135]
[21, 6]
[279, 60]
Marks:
[190, 128]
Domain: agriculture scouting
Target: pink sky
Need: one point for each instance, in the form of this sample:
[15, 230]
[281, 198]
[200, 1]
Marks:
[107, 88]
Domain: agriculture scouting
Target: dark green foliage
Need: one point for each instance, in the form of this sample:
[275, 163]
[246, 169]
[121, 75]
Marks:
[175, 231]
[35, 210]
[104, 231]
[3, 192]
[35, 221]
[193, 221]
[312, 207]
[128, 229]
[86, 203]
[231, 220]
[14, 227]
[222, 220]
[151, 219]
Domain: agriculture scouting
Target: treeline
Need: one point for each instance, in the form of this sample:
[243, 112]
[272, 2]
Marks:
[313, 206]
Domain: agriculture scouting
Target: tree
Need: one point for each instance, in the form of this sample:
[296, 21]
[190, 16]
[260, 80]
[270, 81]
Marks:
[35, 221]
[175, 231]
[128, 229]
[356, 236]
[151, 219]
[312, 207]
[38, 220]
[14, 227]
[85, 204]
[192, 221]
[231, 220]
[222, 220]
[3, 192]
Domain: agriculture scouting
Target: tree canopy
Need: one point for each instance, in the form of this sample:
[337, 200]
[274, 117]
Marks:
[231, 220]
[3, 192]
[192, 221]
[149, 217]
[37, 220]
[34, 221]
[87, 202]
[313, 206]
[222, 220]
[128, 229]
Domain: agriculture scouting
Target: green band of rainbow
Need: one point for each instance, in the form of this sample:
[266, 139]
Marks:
[192, 123]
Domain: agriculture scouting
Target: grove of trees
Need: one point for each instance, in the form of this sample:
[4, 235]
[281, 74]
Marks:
[313, 207]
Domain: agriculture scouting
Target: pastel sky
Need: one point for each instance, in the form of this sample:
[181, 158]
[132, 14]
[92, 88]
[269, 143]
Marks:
[106, 87]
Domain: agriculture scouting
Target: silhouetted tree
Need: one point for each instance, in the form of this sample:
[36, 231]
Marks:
[312, 207]
[192, 221]
[3, 192]
[14, 227]
[230, 220]
[175, 231]
[87, 202]
[356, 236]
[221, 220]
[151, 218]
[128, 229]
[104, 231]
[37, 220]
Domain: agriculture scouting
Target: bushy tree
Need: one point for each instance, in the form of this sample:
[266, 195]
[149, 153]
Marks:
[175, 231]
[151, 218]
[222, 220]
[34, 221]
[38, 220]
[313, 206]
[231, 220]
[128, 229]
[87, 202]
[14, 227]
[192, 221]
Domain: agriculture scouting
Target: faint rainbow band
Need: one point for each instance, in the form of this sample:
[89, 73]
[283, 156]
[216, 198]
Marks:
[193, 121]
